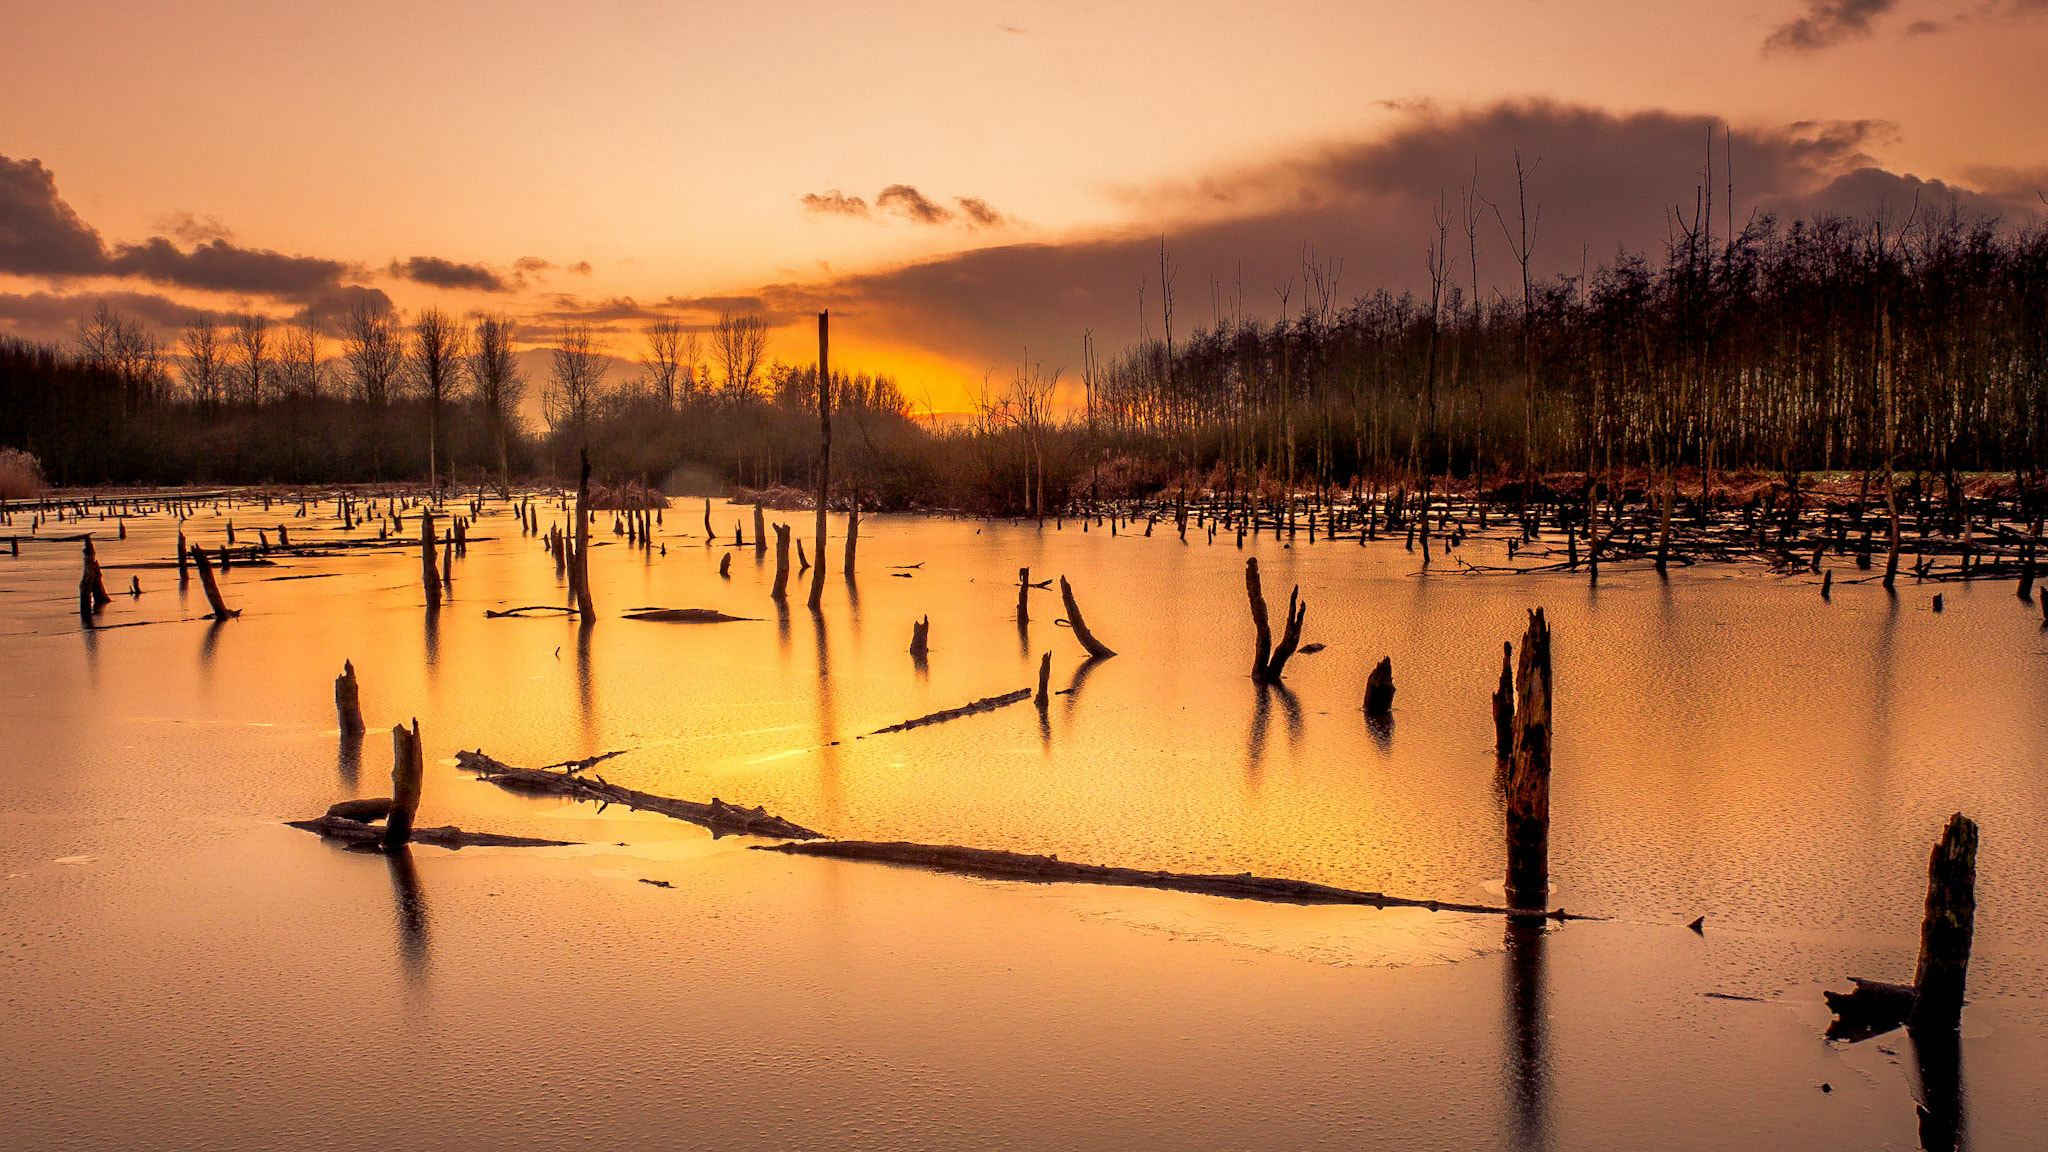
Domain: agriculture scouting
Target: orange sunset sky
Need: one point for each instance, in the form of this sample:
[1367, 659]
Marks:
[964, 184]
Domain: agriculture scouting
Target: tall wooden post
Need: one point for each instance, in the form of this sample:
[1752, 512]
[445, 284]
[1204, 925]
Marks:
[579, 565]
[781, 591]
[1528, 784]
[852, 534]
[1023, 595]
[824, 452]
[760, 527]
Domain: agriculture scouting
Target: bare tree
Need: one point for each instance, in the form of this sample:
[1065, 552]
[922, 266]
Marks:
[494, 374]
[251, 342]
[205, 363]
[575, 379]
[126, 350]
[300, 370]
[436, 361]
[375, 355]
[671, 362]
[739, 344]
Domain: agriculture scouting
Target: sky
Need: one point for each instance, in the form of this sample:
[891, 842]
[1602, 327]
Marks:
[967, 186]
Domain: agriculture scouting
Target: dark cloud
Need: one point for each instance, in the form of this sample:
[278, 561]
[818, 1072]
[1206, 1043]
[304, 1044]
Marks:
[1605, 181]
[1826, 24]
[979, 213]
[581, 267]
[39, 233]
[327, 310]
[833, 203]
[55, 316]
[218, 266]
[435, 272]
[530, 264]
[909, 203]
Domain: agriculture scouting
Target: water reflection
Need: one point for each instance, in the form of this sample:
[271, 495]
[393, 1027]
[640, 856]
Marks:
[348, 761]
[1262, 716]
[1381, 729]
[1938, 1060]
[1525, 1051]
[430, 641]
[1082, 672]
[586, 692]
[209, 647]
[830, 784]
[410, 908]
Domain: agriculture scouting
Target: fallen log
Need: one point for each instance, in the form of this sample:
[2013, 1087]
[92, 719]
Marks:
[720, 817]
[1000, 865]
[985, 704]
[683, 616]
[501, 614]
[448, 836]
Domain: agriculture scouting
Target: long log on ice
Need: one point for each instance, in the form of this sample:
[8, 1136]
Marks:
[448, 836]
[985, 704]
[718, 816]
[1000, 865]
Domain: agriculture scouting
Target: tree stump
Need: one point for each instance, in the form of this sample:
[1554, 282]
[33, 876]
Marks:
[920, 636]
[1269, 660]
[1379, 689]
[781, 591]
[430, 576]
[347, 703]
[1044, 697]
[1528, 783]
[1023, 595]
[1947, 927]
[220, 608]
[1504, 705]
[408, 773]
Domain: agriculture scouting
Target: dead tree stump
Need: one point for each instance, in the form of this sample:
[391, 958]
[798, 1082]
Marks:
[1504, 705]
[1947, 927]
[1270, 660]
[579, 564]
[760, 528]
[781, 591]
[348, 706]
[408, 773]
[1023, 595]
[1044, 697]
[920, 636]
[1528, 783]
[1096, 648]
[725, 566]
[1379, 689]
[430, 576]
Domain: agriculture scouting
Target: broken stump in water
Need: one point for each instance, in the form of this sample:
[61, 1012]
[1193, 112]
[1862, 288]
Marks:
[1044, 698]
[1504, 705]
[408, 773]
[1379, 689]
[920, 636]
[1270, 660]
[220, 608]
[781, 590]
[1528, 783]
[347, 704]
[1934, 1001]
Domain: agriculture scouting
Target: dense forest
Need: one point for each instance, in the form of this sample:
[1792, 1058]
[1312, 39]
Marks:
[1867, 345]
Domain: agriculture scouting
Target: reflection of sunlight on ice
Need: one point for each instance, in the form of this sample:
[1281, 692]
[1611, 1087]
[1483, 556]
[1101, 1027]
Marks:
[1336, 935]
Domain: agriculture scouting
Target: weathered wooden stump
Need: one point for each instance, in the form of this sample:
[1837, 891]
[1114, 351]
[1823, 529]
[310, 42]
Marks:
[725, 566]
[1947, 927]
[1023, 595]
[430, 575]
[1528, 783]
[348, 706]
[760, 528]
[781, 590]
[920, 636]
[408, 773]
[1379, 689]
[1044, 697]
[1504, 705]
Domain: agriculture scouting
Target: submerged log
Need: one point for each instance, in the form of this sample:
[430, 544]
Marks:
[1528, 783]
[718, 816]
[1094, 647]
[1001, 865]
[985, 704]
[1379, 689]
[684, 616]
[348, 707]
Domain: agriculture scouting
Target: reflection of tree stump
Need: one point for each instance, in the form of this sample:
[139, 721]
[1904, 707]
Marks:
[1379, 689]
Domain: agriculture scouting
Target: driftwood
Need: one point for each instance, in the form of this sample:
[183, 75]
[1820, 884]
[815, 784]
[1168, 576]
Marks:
[720, 817]
[985, 704]
[683, 616]
[1000, 865]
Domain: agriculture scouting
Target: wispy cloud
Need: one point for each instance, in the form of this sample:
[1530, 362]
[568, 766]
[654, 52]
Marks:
[1827, 23]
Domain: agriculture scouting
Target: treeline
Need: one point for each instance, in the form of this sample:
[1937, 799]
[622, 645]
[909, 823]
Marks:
[1831, 343]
